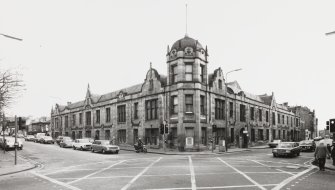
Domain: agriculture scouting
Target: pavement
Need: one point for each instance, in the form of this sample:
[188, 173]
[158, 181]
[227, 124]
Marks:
[7, 165]
[168, 151]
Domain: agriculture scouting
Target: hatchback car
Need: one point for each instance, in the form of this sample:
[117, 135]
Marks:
[47, 140]
[82, 144]
[307, 145]
[66, 142]
[287, 149]
[104, 146]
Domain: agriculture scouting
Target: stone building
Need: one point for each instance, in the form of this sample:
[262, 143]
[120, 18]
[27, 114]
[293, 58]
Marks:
[189, 100]
[309, 122]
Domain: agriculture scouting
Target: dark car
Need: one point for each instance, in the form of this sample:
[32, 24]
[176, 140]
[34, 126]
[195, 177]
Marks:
[104, 146]
[274, 143]
[307, 145]
[287, 149]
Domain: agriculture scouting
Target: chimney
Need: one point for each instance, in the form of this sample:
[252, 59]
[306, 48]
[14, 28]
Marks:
[285, 104]
[68, 103]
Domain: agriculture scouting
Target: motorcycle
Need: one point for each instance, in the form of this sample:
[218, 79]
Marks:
[142, 148]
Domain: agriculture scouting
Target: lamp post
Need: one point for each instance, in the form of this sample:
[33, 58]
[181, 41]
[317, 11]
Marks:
[226, 106]
[8, 36]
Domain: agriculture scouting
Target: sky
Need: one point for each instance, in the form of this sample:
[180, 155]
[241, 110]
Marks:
[281, 47]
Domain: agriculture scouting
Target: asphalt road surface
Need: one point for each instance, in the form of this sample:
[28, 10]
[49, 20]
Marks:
[63, 169]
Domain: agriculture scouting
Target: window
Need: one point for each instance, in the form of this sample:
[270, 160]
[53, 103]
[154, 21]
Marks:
[231, 109]
[202, 79]
[151, 84]
[151, 109]
[232, 136]
[107, 135]
[202, 105]
[97, 135]
[189, 103]
[242, 112]
[66, 121]
[88, 133]
[220, 84]
[279, 134]
[88, 118]
[80, 118]
[108, 115]
[252, 113]
[121, 113]
[284, 134]
[273, 118]
[219, 109]
[273, 134]
[174, 104]
[174, 74]
[278, 118]
[287, 120]
[252, 135]
[291, 121]
[259, 115]
[267, 116]
[260, 134]
[283, 119]
[73, 119]
[97, 114]
[267, 134]
[121, 136]
[136, 110]
[188, 72]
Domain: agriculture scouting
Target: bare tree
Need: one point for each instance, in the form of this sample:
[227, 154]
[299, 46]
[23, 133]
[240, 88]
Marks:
[10, 86]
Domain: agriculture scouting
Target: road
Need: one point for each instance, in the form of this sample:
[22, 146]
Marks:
[63, 169]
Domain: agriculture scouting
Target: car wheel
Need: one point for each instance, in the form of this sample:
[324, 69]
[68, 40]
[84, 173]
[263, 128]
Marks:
[74, 148]
[81, 148]
[274, 155]
[103, 151]
[298, 154]
[117, 152]
[92, 150]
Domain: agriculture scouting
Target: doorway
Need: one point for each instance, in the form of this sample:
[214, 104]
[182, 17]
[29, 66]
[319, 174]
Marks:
[243, 139]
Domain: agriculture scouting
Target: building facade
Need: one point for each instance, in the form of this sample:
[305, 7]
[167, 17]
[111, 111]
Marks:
[189, 101]
[309, 122]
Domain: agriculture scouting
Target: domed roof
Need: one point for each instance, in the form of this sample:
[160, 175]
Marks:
[186, 42]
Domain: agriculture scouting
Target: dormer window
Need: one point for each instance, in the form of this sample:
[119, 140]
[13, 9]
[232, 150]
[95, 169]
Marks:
[188, 72]
[188, 51]
[220, 84]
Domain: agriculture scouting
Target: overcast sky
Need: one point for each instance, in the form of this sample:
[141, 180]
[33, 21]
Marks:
[280, 45]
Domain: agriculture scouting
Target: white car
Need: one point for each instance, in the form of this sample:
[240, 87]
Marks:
[10, 142]
[82, 144]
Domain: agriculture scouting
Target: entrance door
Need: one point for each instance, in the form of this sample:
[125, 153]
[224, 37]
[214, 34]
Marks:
[135, 135]
[73, 135]
[243, 139]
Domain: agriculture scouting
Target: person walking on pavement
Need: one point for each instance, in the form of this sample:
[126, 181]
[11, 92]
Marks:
[333, 154]
[321, 153]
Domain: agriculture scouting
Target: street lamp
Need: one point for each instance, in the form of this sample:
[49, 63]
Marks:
[226, 106]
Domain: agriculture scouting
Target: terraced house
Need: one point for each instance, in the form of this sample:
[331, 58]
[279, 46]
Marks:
[189, 101]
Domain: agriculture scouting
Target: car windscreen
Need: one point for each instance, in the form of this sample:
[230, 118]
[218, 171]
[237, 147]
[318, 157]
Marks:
[66, 138]
[285, 145]
[305, 142]
[106, 142]
[276, 141]
[47, 138]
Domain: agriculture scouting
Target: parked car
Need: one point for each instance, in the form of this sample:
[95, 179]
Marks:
[10, 142]
[104, 146]
[66, 142]
[274, 143]
[38, 137]
[59, 139]
[287, 149]
[29, 138]
[47, 140]
[307, 145]
[82, 144]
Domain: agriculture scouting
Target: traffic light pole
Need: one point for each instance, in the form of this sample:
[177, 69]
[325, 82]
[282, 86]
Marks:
[15, 144]
[3, 132]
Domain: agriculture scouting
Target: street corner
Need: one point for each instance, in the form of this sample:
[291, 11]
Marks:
[8, 166]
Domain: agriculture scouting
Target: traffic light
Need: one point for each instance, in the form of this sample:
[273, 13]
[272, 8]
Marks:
[327, 125]
[214, 128]
[332, 125]
[166, 129]
[162, 129]
[20, 123]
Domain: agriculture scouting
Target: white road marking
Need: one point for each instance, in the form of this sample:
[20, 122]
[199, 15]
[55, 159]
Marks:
[55, 181]
[285, 172]
[96, 172]
[260, 163]
[140, 174]
[192, 173]
[217, 187]
[243, 174]
[288, 180]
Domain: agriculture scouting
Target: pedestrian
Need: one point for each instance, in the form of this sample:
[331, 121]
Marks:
[333, 154]
[320, 154]
[329, 150]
